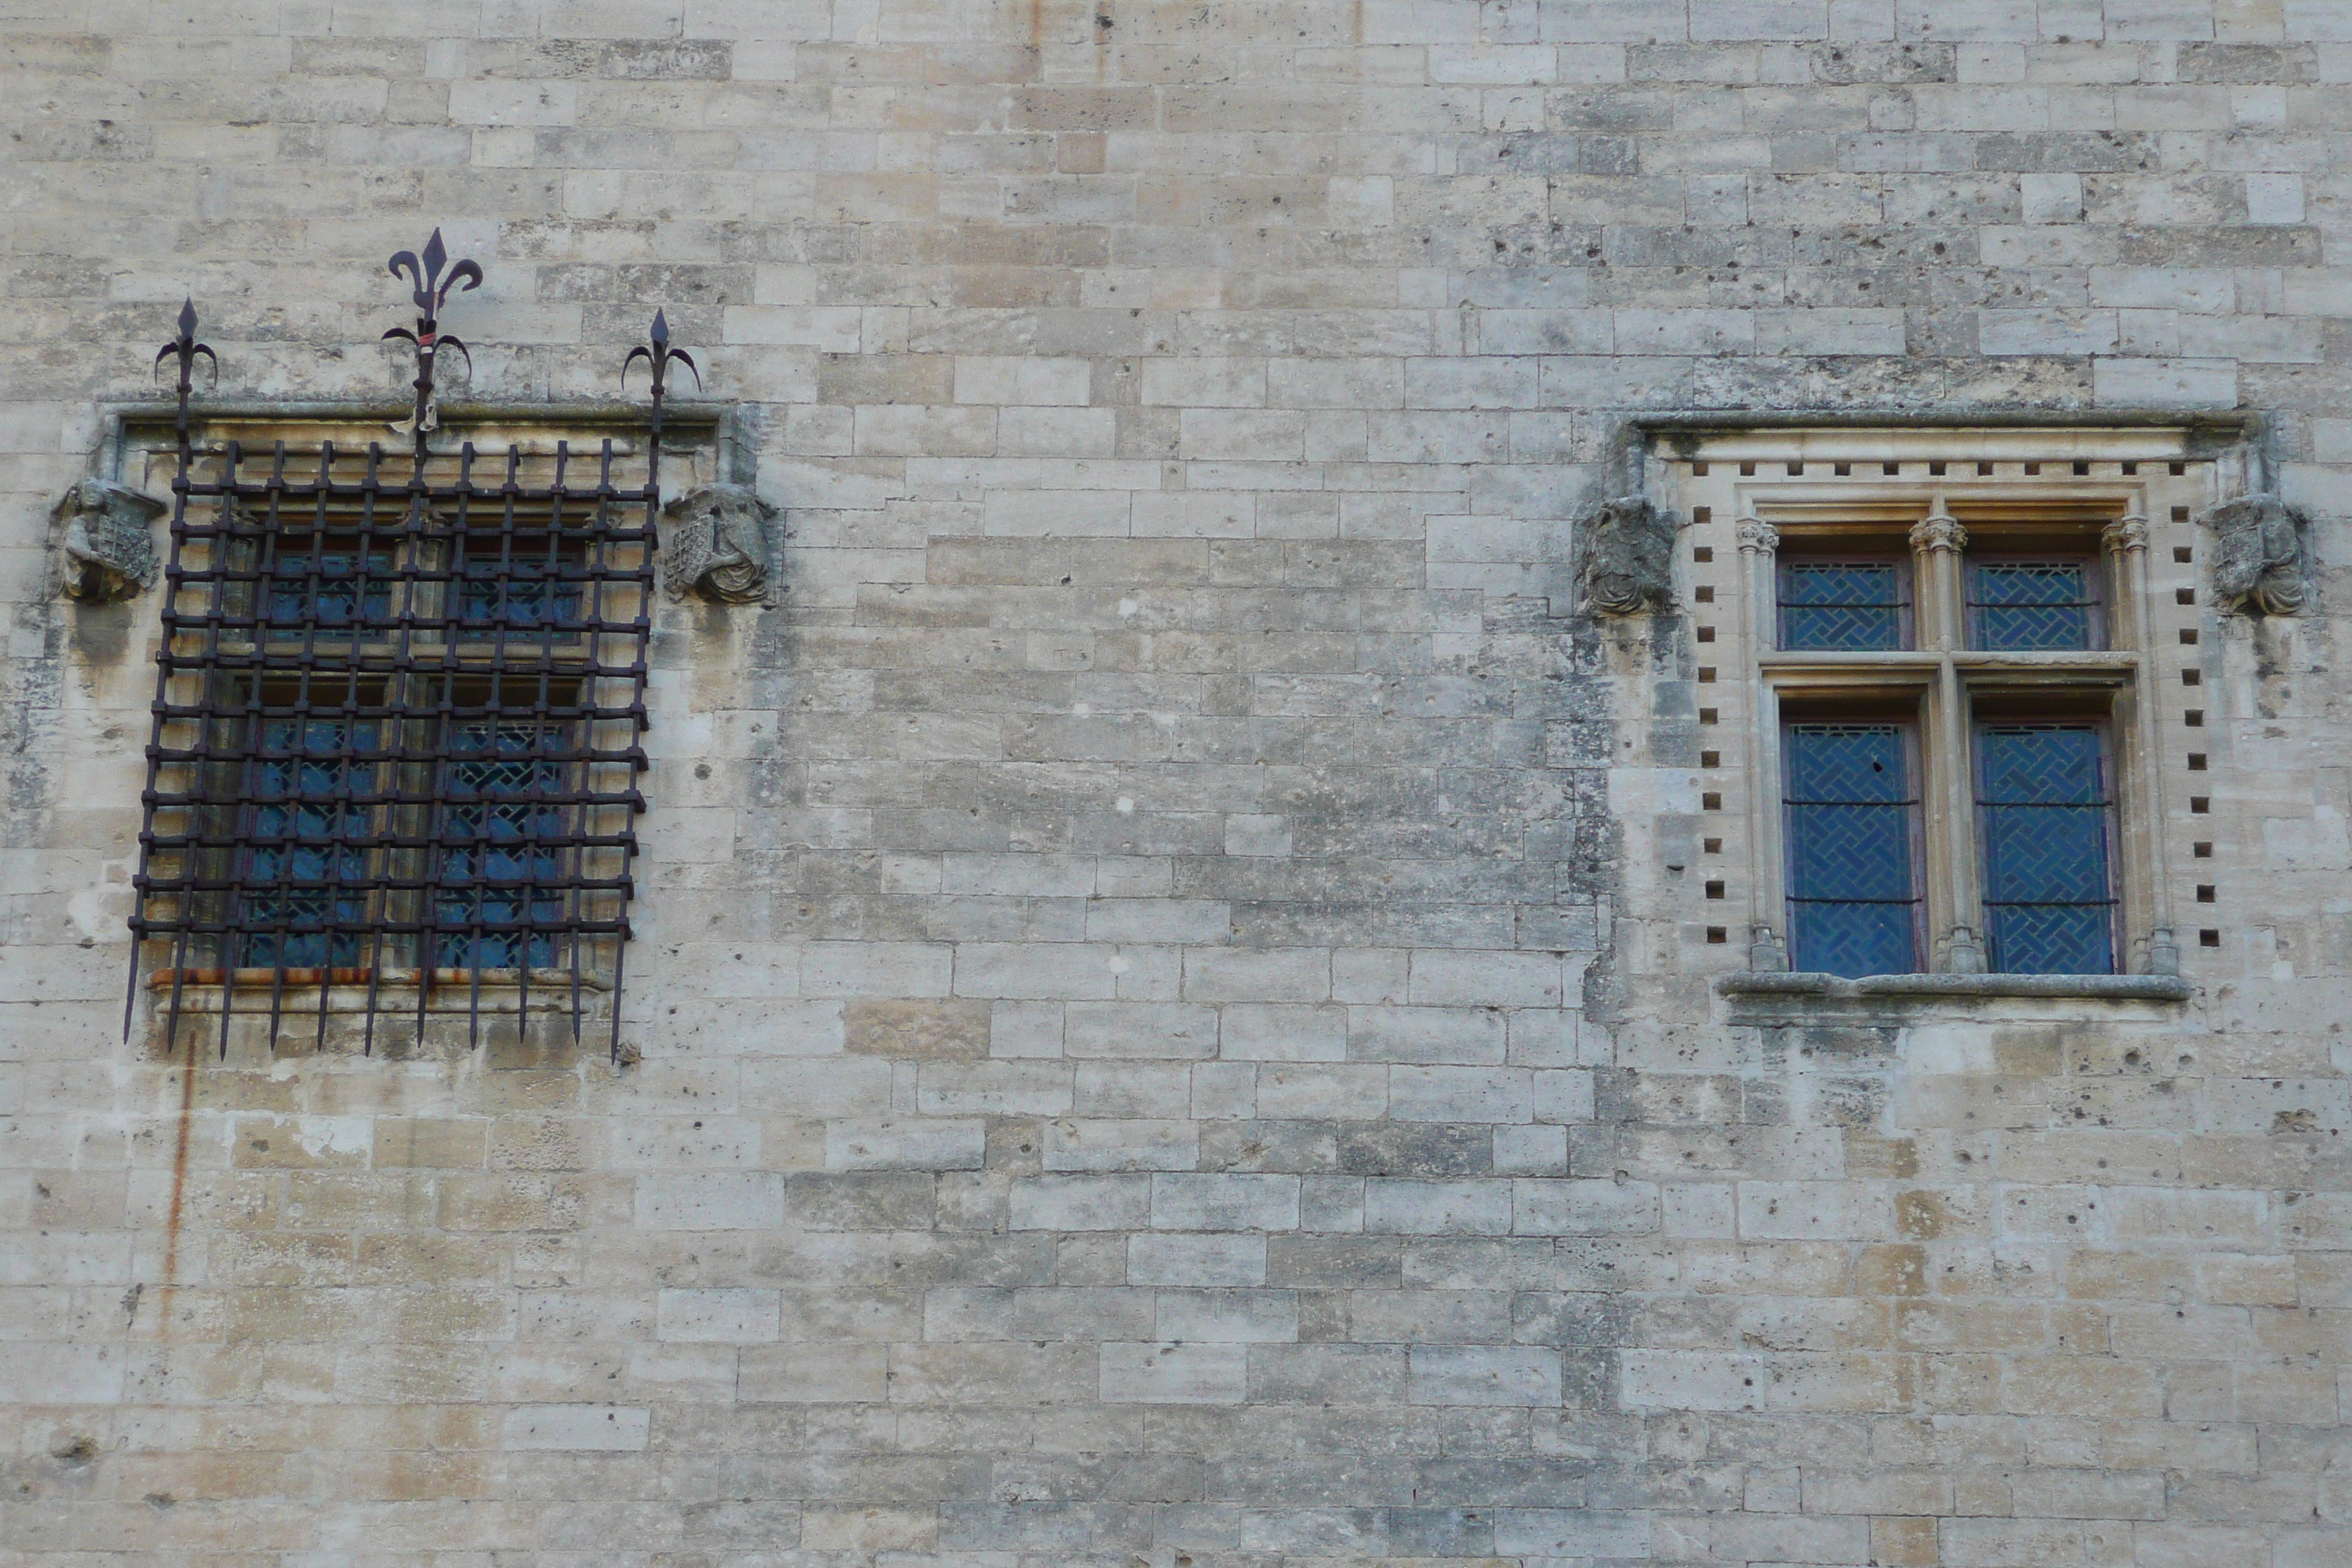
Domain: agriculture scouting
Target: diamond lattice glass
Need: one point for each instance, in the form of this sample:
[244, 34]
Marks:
[302, 884]
[2029, 606]
[2042, 802]
[1841, 604]
[1852, 888]
[501, 835]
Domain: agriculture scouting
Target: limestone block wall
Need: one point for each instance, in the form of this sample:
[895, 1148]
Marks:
[1158, 1034]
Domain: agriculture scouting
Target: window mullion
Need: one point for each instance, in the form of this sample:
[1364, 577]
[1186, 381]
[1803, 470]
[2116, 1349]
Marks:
[1953, 898]
[2147, 890]
[1759, 631]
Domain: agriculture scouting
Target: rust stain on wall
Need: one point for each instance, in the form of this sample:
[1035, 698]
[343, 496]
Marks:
[179, 1186]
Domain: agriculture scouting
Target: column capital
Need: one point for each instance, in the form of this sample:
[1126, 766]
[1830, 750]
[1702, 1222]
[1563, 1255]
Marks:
[2125, 533]
[1756, 534]
[1939, 529]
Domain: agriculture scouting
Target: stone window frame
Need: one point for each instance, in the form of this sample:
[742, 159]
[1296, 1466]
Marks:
[2131, 494]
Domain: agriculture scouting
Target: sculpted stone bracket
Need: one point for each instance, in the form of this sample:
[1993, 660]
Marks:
[106, 547]
[720, 544]
[1627, 550]
[2257, 554]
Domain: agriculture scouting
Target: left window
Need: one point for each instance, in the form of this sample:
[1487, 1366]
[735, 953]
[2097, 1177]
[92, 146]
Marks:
[398, 733]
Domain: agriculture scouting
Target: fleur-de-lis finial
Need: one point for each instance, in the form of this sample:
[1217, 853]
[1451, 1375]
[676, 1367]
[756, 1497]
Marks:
[659, 357]
[430, 291]
[185, 348]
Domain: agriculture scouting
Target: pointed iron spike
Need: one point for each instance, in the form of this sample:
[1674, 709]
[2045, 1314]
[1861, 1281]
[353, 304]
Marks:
[661, 326]
[188, 316]
[436, 253]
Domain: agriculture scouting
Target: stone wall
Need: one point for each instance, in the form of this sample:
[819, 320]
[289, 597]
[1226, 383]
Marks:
[1152, 1036]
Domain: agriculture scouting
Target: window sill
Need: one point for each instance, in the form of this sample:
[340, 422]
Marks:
[458, 991]
[2088, 987]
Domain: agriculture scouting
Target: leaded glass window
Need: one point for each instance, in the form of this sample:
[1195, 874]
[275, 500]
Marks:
[300, 887]
[1851, 813]
[1855, 606]
[2045, 812]
[2033, 605]
[505, 837]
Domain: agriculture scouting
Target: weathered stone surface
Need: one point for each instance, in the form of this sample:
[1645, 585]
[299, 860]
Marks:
[1172, 1013]
[715, 545]
[2257, 554]
[106, 544]
[1628, 546]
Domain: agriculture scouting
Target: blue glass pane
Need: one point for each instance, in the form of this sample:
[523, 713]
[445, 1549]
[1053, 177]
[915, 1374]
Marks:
[1841, 604]
[332, 589]
[497, 829]
[2048, 900]
[2032, 605]
[523, 589]
[1851, 890]
[305, 863]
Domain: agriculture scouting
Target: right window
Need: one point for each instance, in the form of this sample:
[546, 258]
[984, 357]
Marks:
[1945, 724]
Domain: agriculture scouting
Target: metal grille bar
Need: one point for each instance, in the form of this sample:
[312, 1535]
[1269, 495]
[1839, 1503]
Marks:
[398, 720]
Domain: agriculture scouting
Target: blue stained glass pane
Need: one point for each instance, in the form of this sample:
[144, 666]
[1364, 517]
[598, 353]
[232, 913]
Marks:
[2049, 898]
[1841, 604]
[495, 832]
[2029, 604]
[518, 585]
[1852, 893]
[305, 865]
[349, 588]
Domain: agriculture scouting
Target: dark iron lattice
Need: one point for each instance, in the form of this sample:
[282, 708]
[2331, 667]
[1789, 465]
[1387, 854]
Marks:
[2042, 796]
[1845, 605]
[399, 711]
[1854, 893]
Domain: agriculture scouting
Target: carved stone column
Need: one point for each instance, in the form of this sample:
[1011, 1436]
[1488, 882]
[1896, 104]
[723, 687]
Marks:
[1939, 604]
[2126, 540]
[1759, 543]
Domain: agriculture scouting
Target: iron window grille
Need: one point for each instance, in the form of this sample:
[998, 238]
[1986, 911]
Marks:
[398, 718]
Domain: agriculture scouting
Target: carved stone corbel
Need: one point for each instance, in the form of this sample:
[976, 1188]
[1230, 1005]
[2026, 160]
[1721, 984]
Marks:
[2257, 555]
[106, 548]
[1628, 553]
[718, 543]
